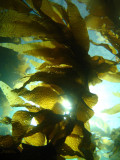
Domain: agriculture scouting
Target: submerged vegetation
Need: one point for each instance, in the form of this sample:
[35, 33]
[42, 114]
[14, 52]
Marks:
[60, 38]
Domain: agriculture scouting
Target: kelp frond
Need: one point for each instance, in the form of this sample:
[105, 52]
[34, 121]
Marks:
[67, 71]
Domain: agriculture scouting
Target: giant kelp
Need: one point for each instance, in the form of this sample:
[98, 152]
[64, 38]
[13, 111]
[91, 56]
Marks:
[67, 71]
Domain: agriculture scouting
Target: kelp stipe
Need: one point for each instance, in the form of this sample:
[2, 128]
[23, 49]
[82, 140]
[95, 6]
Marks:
[66, 73]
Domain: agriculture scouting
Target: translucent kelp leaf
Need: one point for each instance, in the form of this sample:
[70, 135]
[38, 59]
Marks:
[106, 46]
[58, 109]
[37, 139]
[6, 120]
[49, 78]
[90, 99]
[99, 8]
[12, 97]
[98, 23]
[51, 9]
[48, 8]
[68, 152]
[17, 5]
[102, 124]
[102, 68]
[62, 12]
[93, 78]
[113, 110]
[52, 55]
[35, 4]
[22, 69]
[47, 121]
[59, 69]
[35, 64]
[20, 123]
[75, 138]
[84, 113]
[117, 94]
[78, 138]
[112, 77]
[42, 95]
[77, 25]
[14, 24]
[34, 49]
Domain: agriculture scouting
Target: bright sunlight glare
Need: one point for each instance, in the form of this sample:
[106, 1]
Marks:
[67, 104]
[33, 122]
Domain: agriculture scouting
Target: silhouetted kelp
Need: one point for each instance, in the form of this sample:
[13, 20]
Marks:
[67, 71]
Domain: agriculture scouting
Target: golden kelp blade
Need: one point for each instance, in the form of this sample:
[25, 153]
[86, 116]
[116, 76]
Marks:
[43, 96]
[20, 123]
[106, 46]
[24, 48]
[19, 26]
[112, 77]
[117, 94]
[113, 110]
[48, 8]
[17, 5]
[12, 97]
[37, 139]
[51, 9]
[66, 72]
[78, 26]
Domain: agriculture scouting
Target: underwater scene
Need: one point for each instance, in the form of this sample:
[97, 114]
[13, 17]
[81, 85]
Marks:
[60, 79]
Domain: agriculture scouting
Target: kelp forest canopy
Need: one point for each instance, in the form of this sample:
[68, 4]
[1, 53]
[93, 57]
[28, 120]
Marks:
[58, 35]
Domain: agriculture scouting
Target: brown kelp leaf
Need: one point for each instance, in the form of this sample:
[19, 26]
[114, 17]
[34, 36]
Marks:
[78, 26]
[113, 110]
[43, 96]
[37, 49]
[84, 113]
[53, 55]
[37, 139]
[6, 120]
[71, 147]
[112, 77]
[98, 23]
[63, 68]
[106, 46]
[46, 122]
[35, 64]
[113, 39]
[35, 4]
[99, 7]
[50, 78]
[58, 109]
[51, 9]
[24, 48]
[20, 123]
[93, 78]
[12, 97]
[48, 8]
[15, 24]
[62, 12]
[101, 66]
[75, 138]
[17, 5]
[90, 99]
